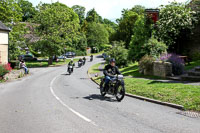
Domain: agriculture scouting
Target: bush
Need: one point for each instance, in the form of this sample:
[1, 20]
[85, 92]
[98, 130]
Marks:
[142, 33]
[146, 63]
[120, 54]
[177, 63]
[154, 48]
[195, 56]
[4, 69]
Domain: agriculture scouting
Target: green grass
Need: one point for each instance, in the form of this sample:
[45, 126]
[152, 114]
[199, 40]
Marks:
[192, 65]
[94, 68]
[31, 64]
[132, 70]
[186, 95]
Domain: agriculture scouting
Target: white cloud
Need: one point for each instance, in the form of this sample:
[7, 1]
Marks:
[110, 9]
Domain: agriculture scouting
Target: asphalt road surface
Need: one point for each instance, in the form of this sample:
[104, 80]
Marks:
[50, 101]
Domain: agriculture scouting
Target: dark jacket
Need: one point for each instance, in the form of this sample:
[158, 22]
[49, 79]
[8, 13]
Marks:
[71, 63]
[111, 71]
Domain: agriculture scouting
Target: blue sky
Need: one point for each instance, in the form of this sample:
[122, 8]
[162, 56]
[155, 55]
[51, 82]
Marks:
[110, 9]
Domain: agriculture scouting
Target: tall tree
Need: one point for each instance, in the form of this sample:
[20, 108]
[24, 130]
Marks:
[80, 10]
[58, 24]
[93, 16]
[27, 9]
[10, 11]
[96, 34]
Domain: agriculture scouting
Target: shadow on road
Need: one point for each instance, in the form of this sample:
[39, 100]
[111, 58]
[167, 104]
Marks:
[99, 97]
[65, 74]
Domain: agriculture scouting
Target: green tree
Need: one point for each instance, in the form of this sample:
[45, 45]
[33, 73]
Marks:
[126, 26]
[27, 9]
[80, 10]
[142, 33]
[96, 34]
[58, 24]
[175, 23]
[93, 16]
[10, 11]
[16, 40]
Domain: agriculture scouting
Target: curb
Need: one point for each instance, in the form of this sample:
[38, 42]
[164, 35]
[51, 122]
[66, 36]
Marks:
[147, 99]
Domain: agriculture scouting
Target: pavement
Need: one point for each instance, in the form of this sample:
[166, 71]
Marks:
[51, 101]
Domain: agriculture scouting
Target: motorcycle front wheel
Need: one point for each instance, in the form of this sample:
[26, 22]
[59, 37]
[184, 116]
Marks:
[120, 92]
[103, 93]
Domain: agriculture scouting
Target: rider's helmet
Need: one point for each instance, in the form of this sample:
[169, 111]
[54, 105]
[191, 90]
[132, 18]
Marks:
[112, 60]
[71, 59]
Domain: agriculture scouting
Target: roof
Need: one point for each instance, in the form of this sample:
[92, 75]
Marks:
[3, 27]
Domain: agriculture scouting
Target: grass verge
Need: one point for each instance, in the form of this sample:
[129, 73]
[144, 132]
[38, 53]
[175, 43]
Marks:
[192, 65]
[177, 93]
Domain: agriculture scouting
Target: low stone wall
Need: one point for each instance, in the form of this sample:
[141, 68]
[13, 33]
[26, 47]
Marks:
[162, 69]
[159, 68]
[14, 74]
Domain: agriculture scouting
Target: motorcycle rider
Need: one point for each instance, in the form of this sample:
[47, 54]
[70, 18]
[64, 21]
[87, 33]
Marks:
[71, 63]
[110, 71]
[91, 57]
[84, 60]
[80, 61]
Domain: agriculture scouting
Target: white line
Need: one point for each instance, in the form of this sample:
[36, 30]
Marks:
[73, 111]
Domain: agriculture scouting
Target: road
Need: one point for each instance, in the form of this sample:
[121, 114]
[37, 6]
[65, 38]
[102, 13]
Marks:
[49, 101]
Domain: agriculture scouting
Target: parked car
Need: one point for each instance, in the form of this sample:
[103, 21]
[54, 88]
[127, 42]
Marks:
[70, 54]
[62, 57]
[105, 56]
[27, 58]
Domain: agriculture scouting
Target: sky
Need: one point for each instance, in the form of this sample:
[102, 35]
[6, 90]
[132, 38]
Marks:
[110, 9]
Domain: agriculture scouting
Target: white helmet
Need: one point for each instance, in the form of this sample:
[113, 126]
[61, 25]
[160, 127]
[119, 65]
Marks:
[71, 59]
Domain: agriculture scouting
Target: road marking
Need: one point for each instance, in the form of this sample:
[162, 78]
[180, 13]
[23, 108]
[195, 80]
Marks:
[65, 105]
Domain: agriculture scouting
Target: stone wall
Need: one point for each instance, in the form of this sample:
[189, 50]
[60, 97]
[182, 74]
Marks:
[162, 69]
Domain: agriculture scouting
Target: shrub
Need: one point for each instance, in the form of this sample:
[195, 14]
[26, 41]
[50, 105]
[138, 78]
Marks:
[142, 33]
[195, 55]
[146, 63]
[154, 48]
[120, 54]
[4, 69]
[177, 63]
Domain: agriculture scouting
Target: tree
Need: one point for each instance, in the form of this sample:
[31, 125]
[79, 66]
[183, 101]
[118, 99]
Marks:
[93, 16]
[126, 24]
[96, 34]
[142, 33]
[175, 24]
[58, 24]
[80, 10]
[27, 9]
[10, 11]
[16, 40]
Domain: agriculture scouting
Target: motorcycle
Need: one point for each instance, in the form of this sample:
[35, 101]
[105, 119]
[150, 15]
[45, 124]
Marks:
[115, 87]
[91, 59]
[80, 64]
[70, 69]
[83, 62]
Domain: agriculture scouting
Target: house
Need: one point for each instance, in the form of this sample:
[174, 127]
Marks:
[4, 32]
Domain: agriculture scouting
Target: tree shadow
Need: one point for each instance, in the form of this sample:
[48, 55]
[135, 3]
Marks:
[99, 97]
[168, 81]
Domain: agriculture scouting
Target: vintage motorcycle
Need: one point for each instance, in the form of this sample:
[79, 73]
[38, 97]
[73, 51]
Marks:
[115, 87]
[70, 69]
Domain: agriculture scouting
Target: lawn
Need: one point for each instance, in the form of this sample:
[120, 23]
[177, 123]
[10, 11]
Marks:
[192, 65]
[186, 95]
[94, 69]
